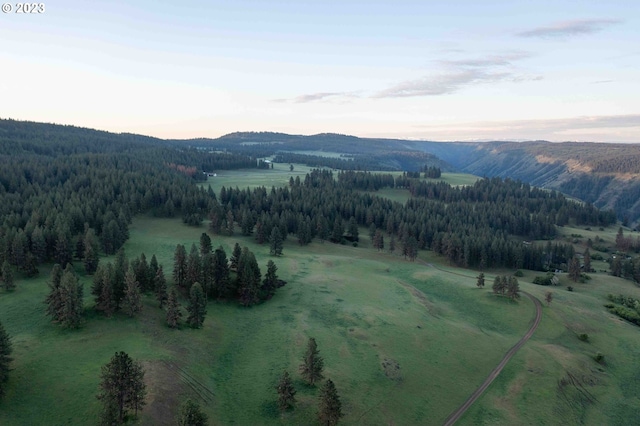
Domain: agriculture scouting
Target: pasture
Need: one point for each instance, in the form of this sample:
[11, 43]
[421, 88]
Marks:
[404, 342]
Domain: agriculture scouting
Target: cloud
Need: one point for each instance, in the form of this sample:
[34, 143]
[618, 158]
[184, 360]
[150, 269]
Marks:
[569, 28]
[319, 96]
[611, 128]
[441, 84]
[455, 75]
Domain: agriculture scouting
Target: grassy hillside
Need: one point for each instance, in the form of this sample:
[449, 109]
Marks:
[404, 342]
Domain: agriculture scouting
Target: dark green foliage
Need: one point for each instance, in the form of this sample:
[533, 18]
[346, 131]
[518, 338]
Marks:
[194, 268]
[102, 289]
[548, 297]
[353, 229]
[574, 269]
[173, 309]
[190, 414]
[275, 242]
[221, 279]
[180, 266]
[270, 282]
[90, 252]
[132, 301]
[506, 285]
[480, 281]
[518, 274]
[160, 287]
[338, 230]
[53, 299]
[410, 248]
[248, 278]
[122, 389]
[286, 392]
[587, 260]
[378, 240]
[7, 277]
[141, 269]
[5, 359]
[197, 307]
[330, 407]
[583, 337]
[235, 256]
[312, 363]
[71, 299]
[120, 268]
[205, 244]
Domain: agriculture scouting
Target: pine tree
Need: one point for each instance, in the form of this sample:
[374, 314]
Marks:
[221, 279]
[180, 266]
[286, 392]
[313, 364]
[142, 273]
[5, 359]
[190, 414]
[480, 282]
[205, 244]
[197, 306]
[574, 269]
[235, 257]
[160, 287]
[353, 229]
[275, 242]
[330, 407]
[270, 282]
[173, 309]
[338, 230]
[513, 288]
[53, 299]
[120, 268]
[71, 297]
[90, 254]
[587, 260]
[378, 240]
[193, 266]
[103, 290]
[499, 285]
[248, 278]
[7, 277]
[132, 301]
[122, 388]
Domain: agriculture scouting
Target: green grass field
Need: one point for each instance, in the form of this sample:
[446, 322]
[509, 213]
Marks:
[404, 342]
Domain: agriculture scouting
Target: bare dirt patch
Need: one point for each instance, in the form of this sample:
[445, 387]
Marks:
[391, 369]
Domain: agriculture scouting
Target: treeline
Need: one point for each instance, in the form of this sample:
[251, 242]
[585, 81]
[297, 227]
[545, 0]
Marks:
[383, 161]
[474, 229]
[62, 185]
[625, 307]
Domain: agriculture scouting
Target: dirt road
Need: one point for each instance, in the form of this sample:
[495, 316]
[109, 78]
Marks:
[455, 416]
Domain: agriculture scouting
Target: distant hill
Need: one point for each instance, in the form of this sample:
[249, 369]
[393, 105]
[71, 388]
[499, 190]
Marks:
[607, 175]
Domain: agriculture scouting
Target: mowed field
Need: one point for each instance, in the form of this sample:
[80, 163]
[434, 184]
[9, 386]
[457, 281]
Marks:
[404, 342]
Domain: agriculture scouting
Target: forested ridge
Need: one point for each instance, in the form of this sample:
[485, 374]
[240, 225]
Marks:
[63, 188]
[471, 226]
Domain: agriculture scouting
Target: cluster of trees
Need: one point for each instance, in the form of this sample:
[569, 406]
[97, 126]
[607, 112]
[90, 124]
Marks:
[330, 406]
[66, 192]
[626, 307]
[506, 286]
[65, 303]
[5, 359]
[432, 172]
[471, 226]
[213, 273]
[627, 243]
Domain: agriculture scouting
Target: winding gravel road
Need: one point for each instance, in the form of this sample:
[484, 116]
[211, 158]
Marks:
[455, 416]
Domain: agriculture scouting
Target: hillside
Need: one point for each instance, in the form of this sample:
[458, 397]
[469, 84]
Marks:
[607, 175]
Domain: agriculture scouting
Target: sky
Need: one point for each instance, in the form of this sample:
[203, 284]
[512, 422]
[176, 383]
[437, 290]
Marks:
[432, 70]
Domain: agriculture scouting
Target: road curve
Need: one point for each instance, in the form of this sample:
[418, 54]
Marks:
[455, 416]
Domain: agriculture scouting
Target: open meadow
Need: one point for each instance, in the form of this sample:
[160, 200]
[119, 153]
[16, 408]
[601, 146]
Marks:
[404, 342]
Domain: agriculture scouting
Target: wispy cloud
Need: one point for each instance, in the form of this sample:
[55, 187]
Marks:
[621, 128]
[569, 28]
[319, 96]
[441, 84]
[455, 75]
